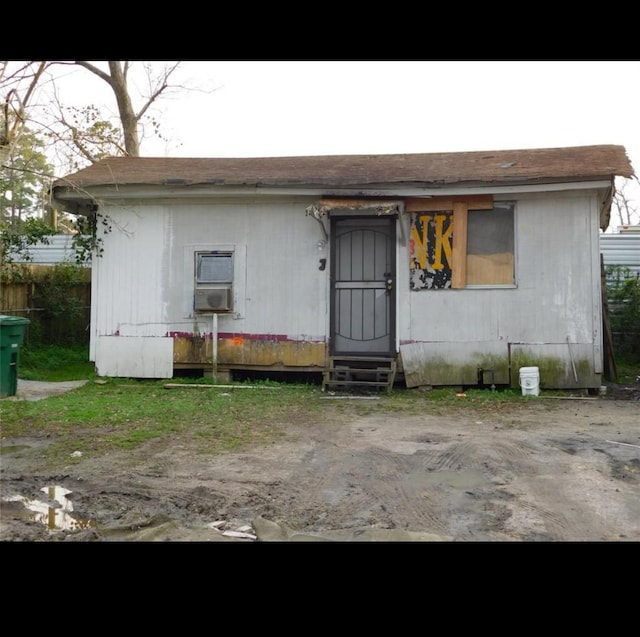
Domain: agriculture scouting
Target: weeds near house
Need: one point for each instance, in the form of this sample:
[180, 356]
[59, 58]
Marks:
[628, 367]
[54, 363]
[121, 414]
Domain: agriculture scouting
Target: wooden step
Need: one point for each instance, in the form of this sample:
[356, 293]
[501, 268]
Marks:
[362, 372]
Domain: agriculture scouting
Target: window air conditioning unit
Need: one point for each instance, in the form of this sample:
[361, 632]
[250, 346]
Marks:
[212, 299]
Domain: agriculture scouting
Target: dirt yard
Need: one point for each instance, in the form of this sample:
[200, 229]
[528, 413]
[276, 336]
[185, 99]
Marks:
[540, 470]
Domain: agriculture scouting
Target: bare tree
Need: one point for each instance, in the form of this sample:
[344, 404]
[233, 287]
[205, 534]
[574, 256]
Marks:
[87, 131]
[117, 79]
[624, 208]
[18, 87]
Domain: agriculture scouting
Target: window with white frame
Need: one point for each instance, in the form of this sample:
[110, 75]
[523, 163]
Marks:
[213, 281]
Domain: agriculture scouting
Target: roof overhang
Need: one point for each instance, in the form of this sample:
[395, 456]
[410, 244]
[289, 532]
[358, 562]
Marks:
[89, 199]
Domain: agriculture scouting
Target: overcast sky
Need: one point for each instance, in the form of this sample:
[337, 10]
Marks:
[271, 108]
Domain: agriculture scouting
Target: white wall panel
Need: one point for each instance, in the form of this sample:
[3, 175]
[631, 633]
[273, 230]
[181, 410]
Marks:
[132, 290]
[134, 357]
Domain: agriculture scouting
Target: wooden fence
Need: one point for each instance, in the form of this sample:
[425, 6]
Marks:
[66, 323]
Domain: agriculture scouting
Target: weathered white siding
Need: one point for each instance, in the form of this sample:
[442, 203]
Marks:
[135, 357]
[277, 284]
[132, 300]
[552, 312]
[148, 290]
[551, 317]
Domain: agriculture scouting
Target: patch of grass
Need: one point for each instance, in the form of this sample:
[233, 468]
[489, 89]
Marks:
[54, 363]
[449, 397]
[439, 401]
[628, 368]
[122, 414]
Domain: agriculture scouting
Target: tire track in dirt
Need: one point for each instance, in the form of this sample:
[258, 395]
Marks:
[419, 480]
[408, 493]
[522, 466]
[472, 477]
[374, 489]
[402, 483]
[559, 495]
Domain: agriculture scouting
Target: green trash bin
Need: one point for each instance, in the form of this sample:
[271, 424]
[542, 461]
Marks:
[11, 338]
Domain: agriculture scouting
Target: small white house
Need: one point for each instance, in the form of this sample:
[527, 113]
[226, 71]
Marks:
[436, 269]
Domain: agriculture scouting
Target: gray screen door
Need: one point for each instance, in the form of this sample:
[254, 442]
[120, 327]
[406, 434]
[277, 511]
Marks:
[363, 286]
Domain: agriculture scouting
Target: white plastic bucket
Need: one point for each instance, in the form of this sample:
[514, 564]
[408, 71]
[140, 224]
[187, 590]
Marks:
[530, 381]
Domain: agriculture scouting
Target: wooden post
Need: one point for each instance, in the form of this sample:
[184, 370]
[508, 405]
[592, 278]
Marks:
[610, 369]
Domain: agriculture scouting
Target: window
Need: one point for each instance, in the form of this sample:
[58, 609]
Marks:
[490, 246]
[213, 281]
[214, 267]
[460, 242]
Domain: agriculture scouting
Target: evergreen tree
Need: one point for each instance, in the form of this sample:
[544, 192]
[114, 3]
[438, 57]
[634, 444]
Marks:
[25, 177]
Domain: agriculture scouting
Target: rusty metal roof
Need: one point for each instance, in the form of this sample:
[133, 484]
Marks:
[498, 167]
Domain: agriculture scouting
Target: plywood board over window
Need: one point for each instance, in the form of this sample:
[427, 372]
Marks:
[458, 242]
[490, 246]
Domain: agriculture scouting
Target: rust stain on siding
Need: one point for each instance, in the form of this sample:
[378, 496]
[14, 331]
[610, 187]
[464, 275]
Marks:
[248, 349]
[235, 351]
[193, 349]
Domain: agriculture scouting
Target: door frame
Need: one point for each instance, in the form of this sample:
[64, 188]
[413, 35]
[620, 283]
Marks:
[392, 220]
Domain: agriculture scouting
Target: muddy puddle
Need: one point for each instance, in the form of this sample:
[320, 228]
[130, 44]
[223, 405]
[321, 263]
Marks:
[54, 510]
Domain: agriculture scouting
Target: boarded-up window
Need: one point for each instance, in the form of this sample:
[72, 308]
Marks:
[430, 247]
[481, 254]
[490, 254]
